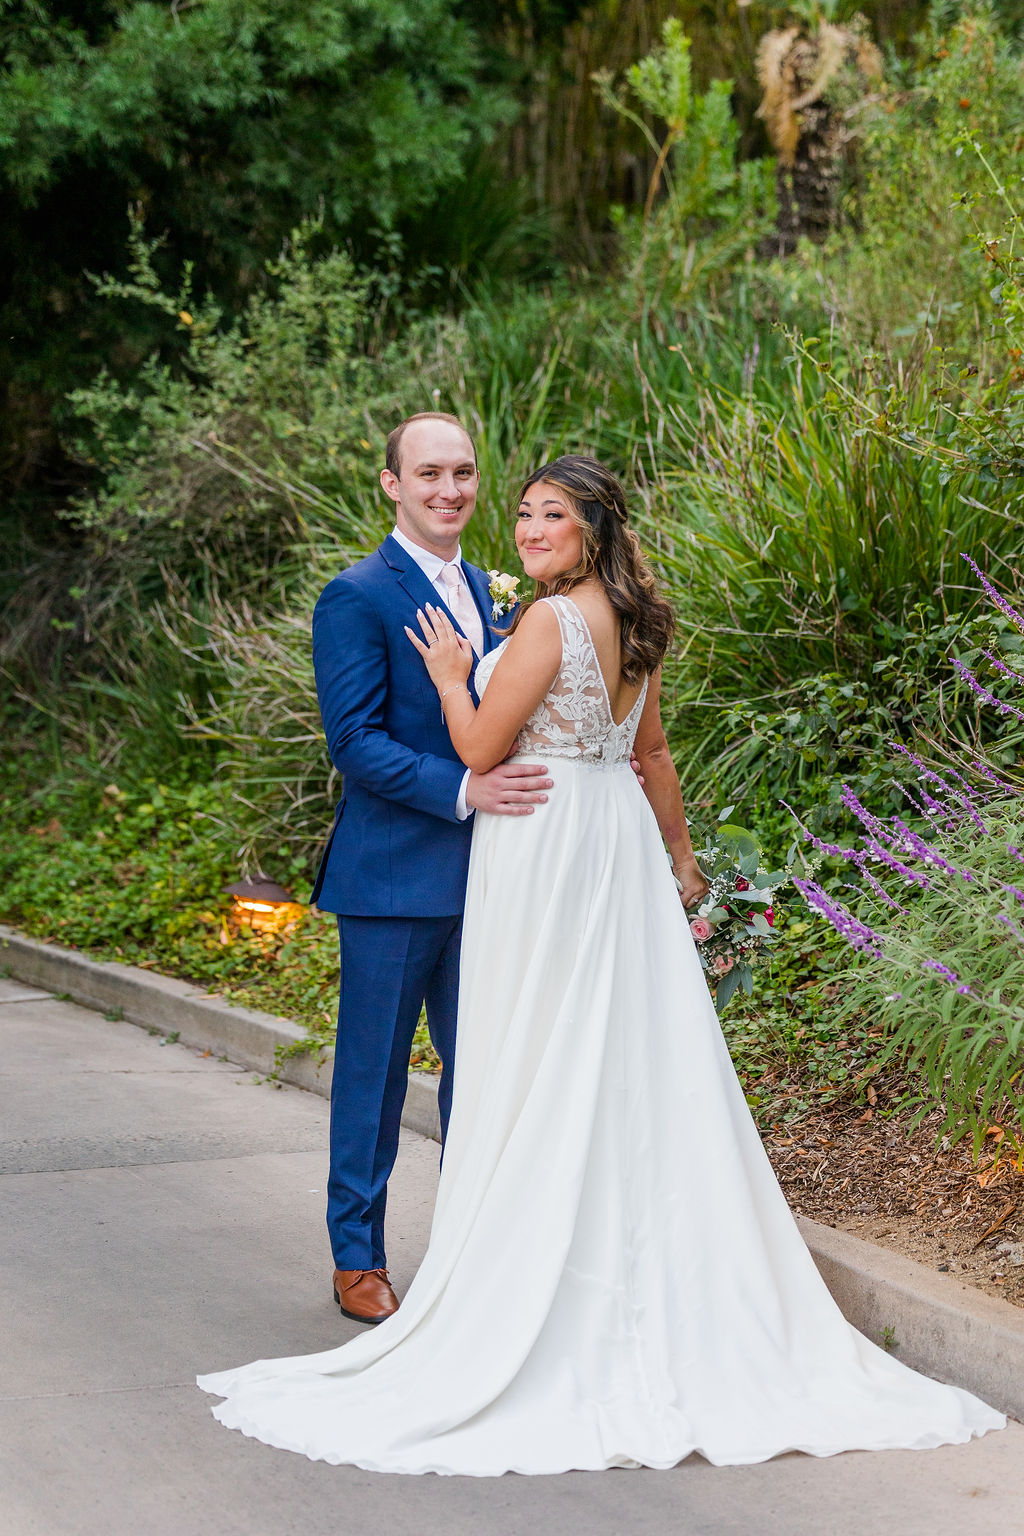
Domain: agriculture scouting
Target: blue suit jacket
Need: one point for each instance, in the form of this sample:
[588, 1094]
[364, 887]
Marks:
[397, 848]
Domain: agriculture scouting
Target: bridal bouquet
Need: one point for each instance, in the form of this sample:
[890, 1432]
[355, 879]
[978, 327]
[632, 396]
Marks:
[736, 919]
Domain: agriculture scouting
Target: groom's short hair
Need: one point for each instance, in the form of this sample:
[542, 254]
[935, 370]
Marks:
[393, 451]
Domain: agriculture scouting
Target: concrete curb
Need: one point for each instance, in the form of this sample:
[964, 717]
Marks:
[199, 1018]
[940, 1326]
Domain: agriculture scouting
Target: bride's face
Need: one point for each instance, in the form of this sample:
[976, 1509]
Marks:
[547, 534]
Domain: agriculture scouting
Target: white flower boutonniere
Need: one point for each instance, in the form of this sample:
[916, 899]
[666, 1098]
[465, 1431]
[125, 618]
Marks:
[503, 592]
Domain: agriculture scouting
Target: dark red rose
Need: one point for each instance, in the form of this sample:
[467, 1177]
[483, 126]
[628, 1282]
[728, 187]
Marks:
[769, 917]
[741, 884]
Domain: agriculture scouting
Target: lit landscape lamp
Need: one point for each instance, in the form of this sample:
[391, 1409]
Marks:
[259, 903]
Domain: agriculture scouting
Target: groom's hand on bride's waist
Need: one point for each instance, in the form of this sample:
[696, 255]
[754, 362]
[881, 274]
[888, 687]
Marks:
[511, 789]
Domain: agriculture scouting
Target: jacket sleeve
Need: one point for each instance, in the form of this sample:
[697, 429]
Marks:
[350, 661]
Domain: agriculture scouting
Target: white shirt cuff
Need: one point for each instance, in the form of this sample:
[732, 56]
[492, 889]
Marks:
[461, 804]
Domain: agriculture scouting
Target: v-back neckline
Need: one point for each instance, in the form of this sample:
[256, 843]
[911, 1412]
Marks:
[617, 724]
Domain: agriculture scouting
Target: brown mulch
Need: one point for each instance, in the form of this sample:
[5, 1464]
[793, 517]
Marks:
[854, 1167]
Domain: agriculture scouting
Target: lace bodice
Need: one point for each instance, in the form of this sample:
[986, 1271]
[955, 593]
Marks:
[575, 717]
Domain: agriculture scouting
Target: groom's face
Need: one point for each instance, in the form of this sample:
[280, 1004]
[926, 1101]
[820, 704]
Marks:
[435, 491]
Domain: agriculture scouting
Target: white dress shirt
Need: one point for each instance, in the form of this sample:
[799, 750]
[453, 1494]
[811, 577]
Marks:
[431, 565]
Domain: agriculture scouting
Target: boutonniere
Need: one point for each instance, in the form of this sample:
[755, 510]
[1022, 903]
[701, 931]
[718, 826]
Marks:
[503, 592]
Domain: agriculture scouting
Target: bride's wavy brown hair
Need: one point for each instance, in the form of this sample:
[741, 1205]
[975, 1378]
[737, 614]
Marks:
[612, 553]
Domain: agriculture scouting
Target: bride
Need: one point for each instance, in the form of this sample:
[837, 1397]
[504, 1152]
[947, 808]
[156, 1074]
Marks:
[613, 1278]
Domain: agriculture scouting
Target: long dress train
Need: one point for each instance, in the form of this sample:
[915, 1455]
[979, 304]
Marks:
[614, 1277]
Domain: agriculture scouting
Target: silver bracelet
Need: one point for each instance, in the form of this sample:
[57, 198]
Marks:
[453, 689]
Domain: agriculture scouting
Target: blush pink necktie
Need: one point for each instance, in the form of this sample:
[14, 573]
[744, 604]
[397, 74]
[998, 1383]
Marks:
[463, 608]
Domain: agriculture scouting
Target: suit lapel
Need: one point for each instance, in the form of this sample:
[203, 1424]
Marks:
[421, 591]
[410, 577]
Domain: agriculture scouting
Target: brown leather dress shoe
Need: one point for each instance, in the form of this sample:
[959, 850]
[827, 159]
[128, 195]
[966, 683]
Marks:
[364, 1295]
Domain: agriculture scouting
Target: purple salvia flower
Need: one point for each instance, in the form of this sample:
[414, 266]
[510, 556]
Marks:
[940, 969]
[984, 694]
[850, 855]
[941, 818]
[970, 789]
[843, 921]
[915, 844]
[883, 856]
[930, 777]
[993, 778]
[866, 818]
[1001, 666]
[996, 596]
[1005, 918]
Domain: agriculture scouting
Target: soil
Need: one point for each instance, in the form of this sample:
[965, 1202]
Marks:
[856, 1168]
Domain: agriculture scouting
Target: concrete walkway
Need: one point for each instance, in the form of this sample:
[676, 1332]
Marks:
[162, 1213]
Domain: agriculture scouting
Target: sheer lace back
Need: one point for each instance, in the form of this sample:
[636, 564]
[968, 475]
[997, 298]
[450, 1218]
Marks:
[575, 717]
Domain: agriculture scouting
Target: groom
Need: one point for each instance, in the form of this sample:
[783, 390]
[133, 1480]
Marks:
[395, 865]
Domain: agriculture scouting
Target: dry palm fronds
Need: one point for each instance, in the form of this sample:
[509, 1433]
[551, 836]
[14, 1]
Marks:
[776, 108]
[794, 71]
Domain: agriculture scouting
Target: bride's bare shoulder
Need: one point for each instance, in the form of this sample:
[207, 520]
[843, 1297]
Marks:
[536, 639]
[539, 621]
[593, 602]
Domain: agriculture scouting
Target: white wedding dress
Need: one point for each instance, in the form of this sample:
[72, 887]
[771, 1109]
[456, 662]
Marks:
[613, 1278]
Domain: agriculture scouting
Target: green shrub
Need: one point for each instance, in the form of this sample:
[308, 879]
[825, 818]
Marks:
[805, 546]
[229, 121]
[815, 569]
[138, 873]
[936, 918]
[714, 208]
[902, 266]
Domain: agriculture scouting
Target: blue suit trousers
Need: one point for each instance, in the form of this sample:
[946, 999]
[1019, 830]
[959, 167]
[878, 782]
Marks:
[390, 967]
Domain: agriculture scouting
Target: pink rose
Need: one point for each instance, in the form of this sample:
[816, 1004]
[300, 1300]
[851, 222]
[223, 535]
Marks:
[701, 930]
[769, 917]
[722, 964]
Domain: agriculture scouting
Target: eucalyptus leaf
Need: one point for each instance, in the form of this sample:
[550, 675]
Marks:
[726, 987]
[748, 862]
[737, 839]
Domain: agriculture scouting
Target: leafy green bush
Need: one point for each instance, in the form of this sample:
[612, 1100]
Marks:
[937, 920]
[818, 563]
[230, 122]
[806, 548]
[791, 1046]
[903, 266]
[138, 872]
[715, 207]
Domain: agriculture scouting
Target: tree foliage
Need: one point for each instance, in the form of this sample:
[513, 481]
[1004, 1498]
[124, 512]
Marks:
[225, 122]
